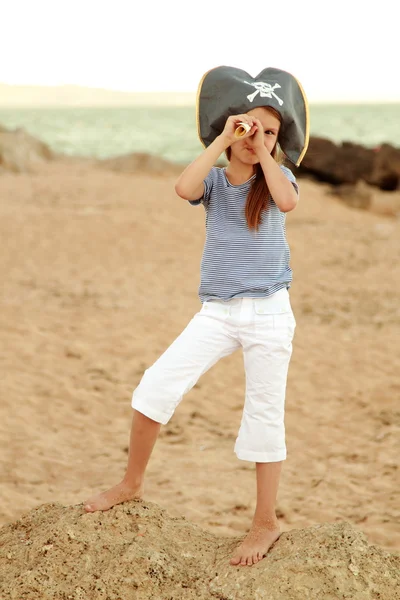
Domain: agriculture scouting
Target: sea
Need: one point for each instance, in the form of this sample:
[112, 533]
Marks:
[171, 131]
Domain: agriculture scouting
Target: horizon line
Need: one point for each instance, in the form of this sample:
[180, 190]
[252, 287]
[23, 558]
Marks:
[190, 94]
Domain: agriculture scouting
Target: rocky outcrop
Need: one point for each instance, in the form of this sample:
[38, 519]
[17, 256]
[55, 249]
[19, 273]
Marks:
[20, 152]
[330, 163]
[349, 163]
[136, 551]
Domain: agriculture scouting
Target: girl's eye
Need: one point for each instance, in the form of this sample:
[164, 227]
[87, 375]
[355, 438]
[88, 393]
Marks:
[269, 132]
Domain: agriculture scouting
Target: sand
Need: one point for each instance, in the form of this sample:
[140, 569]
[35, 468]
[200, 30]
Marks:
[100, 272]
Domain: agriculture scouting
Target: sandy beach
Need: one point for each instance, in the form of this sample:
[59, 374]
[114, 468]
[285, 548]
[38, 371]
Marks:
[100, 272]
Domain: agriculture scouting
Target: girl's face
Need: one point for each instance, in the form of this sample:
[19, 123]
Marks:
[243, 149]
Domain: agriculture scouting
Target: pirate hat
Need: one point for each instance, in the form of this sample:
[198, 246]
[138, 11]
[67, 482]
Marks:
[226, 91]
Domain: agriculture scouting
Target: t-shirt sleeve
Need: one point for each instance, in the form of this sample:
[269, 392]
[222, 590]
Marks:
[291, 177]
[208, 185]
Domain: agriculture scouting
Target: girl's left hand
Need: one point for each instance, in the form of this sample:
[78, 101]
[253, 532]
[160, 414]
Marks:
[258, 135]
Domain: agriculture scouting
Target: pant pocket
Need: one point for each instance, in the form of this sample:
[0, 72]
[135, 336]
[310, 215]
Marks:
[285, 323]
[274, 317]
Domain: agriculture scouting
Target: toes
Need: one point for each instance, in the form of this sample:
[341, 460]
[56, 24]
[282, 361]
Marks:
[246, 561]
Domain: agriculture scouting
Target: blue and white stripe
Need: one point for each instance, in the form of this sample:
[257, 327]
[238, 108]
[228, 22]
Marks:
[238, 262]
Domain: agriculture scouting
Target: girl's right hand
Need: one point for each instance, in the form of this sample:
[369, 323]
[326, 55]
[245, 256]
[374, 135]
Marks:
[232, 123]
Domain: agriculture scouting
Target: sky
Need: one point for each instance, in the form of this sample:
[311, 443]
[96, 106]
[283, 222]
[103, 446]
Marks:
[342, 51]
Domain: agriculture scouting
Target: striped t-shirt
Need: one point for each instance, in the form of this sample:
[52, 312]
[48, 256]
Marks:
[238, 262]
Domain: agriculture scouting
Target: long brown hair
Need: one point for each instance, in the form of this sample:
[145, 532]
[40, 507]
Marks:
[257, 198]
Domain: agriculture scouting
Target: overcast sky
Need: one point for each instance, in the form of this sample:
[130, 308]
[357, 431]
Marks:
[340, 51]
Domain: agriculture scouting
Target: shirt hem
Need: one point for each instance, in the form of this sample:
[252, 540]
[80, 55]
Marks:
[265, 294]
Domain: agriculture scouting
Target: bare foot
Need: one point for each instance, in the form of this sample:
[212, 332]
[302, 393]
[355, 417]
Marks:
[255, 546]
[122, 492]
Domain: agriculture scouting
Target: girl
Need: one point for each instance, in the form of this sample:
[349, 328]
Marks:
[245, 276]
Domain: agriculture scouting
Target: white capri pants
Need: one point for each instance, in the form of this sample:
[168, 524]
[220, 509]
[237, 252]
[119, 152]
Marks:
[264, 328]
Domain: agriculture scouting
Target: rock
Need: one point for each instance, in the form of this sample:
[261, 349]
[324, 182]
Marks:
[136, 551]
[346, 163]
[386, 168]
[139, 163]
[20, 152]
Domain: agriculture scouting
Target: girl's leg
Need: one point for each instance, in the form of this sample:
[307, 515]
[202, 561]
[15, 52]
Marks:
[144, 433]
[267, 349]
[265, 526]
[204, 341]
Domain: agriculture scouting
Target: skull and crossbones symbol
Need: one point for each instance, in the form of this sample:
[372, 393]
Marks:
[266, 90]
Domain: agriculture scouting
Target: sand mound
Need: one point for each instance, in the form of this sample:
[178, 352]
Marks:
[136, 550]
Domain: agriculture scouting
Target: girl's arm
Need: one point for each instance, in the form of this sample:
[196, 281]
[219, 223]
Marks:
[189, 185]
[280, 188]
